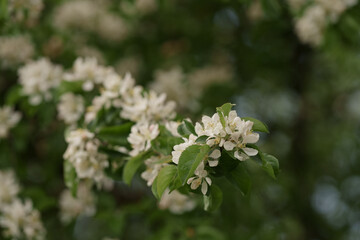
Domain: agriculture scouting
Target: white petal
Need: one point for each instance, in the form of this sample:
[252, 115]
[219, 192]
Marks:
[251, 138]
[215, 154]
[250, 151]
[204, 187]
[208, 180]
[190, 180]
[229, 145]
[213, 163]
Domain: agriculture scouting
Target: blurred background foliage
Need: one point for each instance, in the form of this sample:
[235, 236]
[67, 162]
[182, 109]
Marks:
[308, 95]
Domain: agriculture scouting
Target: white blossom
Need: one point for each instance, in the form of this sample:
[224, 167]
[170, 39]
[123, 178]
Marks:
[176, 202]
[201, 178]
[141, 135]
[88, 71]
[70, 108]
[83, 204]
[10, 52]
[20, 221]
[82, 153]
[178, 149]
[8, 119]
[38, 78]
[9, 187]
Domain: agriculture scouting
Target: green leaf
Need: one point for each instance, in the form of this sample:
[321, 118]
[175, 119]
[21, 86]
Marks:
[116, 134]
[270, 164]
[240, 178]
[258, 125]
[67, 86]
[133, 164]
[202, 139]
[226, 164]
[190, 127]
[13, 95]
[176, 183]
[214, 200]
[186, 128]
[166, 175]
[190, 159]
[154, 188]
[70, 177]
[225, 109]
[222, 118]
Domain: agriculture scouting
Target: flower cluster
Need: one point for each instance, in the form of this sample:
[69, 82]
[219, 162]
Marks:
[90, 16]
[311, 25]
[82, 152]
[8, 119]
[10, 52]
[83, 204]
[18, 219]
[38, 78]
[230, 133]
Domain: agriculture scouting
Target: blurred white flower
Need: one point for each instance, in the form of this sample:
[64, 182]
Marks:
[92, 17]
[78, 14]
[20, 221]
[310, 26]
[8, 119]
[141, 135]
[83, 204]
[38, 78]
[176, 202]
[9, 187]
[10, 52]
[70, 108]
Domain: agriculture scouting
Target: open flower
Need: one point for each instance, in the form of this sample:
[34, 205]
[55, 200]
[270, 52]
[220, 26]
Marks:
[201, 178]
